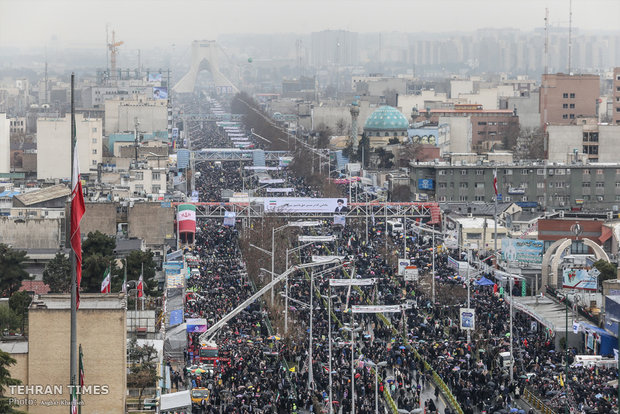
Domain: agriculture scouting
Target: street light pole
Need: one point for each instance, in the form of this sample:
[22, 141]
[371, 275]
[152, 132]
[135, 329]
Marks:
[329, 312]
[310, 374]
[468, 294]
[286, 297]
[273, 255]
[511, 339]
[352, 366]
[433, 273]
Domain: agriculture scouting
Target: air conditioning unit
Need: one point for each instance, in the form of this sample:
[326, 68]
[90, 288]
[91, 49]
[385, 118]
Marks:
[610, 215]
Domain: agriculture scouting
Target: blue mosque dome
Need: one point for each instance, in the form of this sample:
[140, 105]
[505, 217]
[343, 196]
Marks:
[386, 118]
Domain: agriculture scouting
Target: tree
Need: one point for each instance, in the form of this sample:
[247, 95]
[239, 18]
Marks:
[608, 271]
[5, 381]
[409, 152]
[97, 256]
[11, 270]
[341, 126]
[535, 144]
[57, 274]
[98, 243]
[9, 321]
[19, 302]
[143, 370]
[135, 260]
[385, 158]
[324, 133]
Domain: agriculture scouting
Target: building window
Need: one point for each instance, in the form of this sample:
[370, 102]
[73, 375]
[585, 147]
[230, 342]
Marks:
[600, 184]
[94, 140]
[441, 172]
[586, 172]
[156, 189]
[585, 184]
[572, 106]
[478, 198]
[560, 171]
[559, 184]
[441, 185]
[482, 123]
[507, 199]
[479, 172]
[540, 185]
[462, 185]
[155, 176]
[524, 172]
[463, 172]
[139, 187]
[441, 198]
[94, 152]
[94, 162]
[479, 185]
[474, 236]
[540, 171]
[95, 129]
[599, 172]
[572, 96]
[452, 184]
[463, 198]
[565, 95]
[617, 185]
[565, 106]
[507, 172]
[572, 116]
[139, 175]
[618, 198]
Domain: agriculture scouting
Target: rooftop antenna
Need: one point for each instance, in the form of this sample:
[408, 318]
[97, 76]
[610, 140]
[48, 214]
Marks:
[46, 79]
[570, 34]
[546, 68]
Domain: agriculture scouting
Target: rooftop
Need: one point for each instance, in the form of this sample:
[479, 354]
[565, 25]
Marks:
[37, 286]
[87, 301]
[43, 195]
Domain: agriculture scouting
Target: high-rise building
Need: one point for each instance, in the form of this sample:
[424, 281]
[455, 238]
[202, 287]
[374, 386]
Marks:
[564, 98]
[5, 144]
[334, 47]
[616, 97]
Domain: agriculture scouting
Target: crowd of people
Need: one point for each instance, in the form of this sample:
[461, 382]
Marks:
[263, 372]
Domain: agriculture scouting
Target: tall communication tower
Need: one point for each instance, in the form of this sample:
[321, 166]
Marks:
[570, 35]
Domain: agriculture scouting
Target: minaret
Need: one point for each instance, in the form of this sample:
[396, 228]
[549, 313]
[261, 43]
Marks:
[355, 111]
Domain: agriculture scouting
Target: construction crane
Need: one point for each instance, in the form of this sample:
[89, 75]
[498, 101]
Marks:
[113, 47]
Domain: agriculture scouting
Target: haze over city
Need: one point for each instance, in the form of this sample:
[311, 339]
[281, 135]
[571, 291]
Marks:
[73, 23]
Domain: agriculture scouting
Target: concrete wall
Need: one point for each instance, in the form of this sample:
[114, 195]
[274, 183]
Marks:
[609, 139]
[460, 133]
[527, 109]
[102, 333]
[31, 233]
[5, 144]
[408, 102]
[151, 222]
[563, 139]
[54, 147]
[458, 87]
[99, 216]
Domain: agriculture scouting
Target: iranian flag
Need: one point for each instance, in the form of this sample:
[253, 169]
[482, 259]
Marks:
[187, 218]
[106, 285]
[77, 211]
[140, 287]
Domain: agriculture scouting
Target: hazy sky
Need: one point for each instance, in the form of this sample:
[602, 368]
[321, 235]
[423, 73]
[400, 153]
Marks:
[142, 23]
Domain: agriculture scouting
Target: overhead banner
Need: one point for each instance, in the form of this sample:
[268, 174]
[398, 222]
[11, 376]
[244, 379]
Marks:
[411, 273]
[176, 317]
[196, 325]
[522, 250]
[160, 92]
[258, 167]
[305, 205]
[271, 181]
[340, 220]
[229, 218]
[379, 308]
[316, 238]
[402, 263]
[352, 282]
[175, 281]
[579, 279]
[186, 218]
[468, 319]
[280, 190]
[320, 259]
[308, 223]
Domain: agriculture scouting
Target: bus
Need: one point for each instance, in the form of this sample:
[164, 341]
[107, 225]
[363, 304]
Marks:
[395, 227]
[210, 355]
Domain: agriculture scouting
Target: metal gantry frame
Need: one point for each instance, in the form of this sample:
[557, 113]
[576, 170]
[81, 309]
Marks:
[255, 210]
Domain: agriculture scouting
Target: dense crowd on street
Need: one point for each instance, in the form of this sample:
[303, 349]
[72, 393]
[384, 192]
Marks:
[261, 372]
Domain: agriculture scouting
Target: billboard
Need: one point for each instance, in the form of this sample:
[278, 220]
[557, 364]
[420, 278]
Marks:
[468, 319]
[425, 184]
[319, 259]
[522, 250]
[160, 92]
[305, 205]
[230, 218]
[186, 218]
[411, 273]
[154, 77]
[196, 325]
[176, 317]
[402, 264]
[579, 279]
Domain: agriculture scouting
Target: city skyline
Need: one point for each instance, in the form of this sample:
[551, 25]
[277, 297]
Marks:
[71, 23]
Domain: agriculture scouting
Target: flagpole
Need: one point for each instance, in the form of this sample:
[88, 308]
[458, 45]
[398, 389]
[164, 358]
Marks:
[495, 219]
[73, 346]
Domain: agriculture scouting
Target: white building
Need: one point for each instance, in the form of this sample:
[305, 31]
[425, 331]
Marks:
[121, 114]
[5, 144]
[147, 181]
[54, 146]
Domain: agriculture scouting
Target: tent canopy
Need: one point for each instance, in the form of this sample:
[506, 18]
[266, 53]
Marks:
[484, 282]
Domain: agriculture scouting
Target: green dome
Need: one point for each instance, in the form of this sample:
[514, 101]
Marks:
[386, 118]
